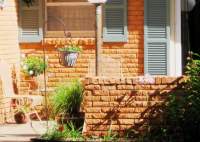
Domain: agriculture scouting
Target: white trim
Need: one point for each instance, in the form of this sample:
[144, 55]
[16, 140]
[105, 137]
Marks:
[178, 45]
[175, 51]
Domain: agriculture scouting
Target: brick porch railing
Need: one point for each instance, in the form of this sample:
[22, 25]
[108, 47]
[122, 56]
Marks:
[121, 103]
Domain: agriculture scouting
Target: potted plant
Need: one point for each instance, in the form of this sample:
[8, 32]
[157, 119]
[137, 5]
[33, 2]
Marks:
[33, 66]
[20, 117]
[66, 102]
[69, 54]
[20, 114]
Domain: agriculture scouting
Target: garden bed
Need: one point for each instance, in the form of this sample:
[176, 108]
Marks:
[85, 140]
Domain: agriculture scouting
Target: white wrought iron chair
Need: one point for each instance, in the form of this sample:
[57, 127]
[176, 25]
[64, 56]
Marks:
[9, 95]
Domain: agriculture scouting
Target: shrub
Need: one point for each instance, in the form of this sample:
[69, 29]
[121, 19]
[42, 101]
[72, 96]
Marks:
[33, 66]
[63, 132]
[67, 98]
[54, 134]
[72, 132]
[178, 119]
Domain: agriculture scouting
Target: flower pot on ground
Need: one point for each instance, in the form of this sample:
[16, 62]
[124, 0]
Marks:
[77, 119]
[20, 117]
[66, 102]
[62, 118]
[20, 111]
[69, 54]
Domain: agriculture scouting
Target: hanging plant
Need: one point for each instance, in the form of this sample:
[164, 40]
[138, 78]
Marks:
[69, 54]
[2, 4]
[29, 2]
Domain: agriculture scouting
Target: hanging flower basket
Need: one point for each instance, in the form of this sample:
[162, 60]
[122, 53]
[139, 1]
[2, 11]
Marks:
[68, 55]
[68, 58]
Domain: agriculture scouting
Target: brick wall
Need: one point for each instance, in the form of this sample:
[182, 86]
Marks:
[121, 104]
[1, 105]
[130, 53]
[9, 45]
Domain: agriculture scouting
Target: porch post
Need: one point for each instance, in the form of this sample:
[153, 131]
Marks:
[98, 38]
[178, 46]
[175, 52]
[98, 4]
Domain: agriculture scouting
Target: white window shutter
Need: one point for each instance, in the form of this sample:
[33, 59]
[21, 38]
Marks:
[30, 22]
[115, 21]
[157, 36]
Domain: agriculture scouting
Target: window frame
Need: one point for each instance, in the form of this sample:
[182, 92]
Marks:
[64, 33]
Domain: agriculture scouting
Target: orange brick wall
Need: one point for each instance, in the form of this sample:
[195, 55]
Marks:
[123, 103]
[9, 45]
[1, 105]
[131, 53]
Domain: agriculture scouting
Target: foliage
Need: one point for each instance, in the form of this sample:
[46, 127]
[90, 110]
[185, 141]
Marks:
[192, 101]
[110, 136]
[71, 47]
[33, 66]
[193, 72]
[63, 132]
[178, 119]
[72, 132]
[67, 98]
[54, 134]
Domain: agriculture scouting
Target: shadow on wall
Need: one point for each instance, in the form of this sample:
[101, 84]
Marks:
[137, 111]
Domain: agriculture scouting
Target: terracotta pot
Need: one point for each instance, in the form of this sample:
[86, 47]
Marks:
[61, 119]
[77, 119]
[20, 117]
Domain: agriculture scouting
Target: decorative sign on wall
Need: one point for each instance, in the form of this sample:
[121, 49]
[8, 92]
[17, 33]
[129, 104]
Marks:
[97, 1]
[2, 4]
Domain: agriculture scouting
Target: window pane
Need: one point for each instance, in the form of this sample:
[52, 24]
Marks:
[73, 18]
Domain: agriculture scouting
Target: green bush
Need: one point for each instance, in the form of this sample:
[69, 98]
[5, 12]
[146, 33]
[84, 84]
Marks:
[63, 132]
[72, 47]
[191, 120]
[54, 134]
[178, 119]
[72, 132]
[33, 65]
[67, 98]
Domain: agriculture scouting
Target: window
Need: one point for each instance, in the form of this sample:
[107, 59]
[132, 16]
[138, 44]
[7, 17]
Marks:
[69, 17]
[30, 22]
[77, 17]
[115, 21]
